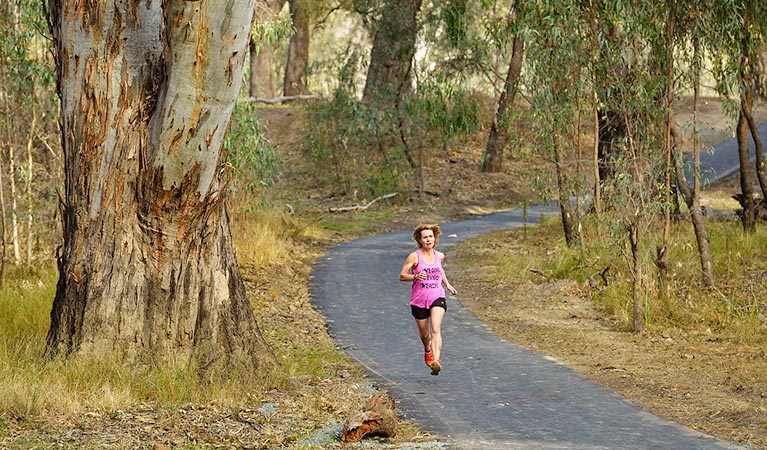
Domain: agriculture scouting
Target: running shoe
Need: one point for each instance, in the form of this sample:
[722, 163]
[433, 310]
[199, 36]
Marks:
[436, 366]
[428, 357]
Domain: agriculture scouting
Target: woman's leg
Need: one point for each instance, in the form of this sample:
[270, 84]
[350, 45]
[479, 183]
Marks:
[423, 333]
[435, 320]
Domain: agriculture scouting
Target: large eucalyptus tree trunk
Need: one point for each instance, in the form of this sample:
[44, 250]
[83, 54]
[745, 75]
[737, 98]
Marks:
[393, 49]
[147, 266]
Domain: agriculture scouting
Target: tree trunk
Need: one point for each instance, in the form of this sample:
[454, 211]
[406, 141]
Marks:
[499, 134]
[4, 252]
[3, 150]
[637, 312]
[261, 79]
[393, 49]
[30, 174]
[661, 260]
[594, 58]
[298, 51]
[746, 198]
[692, 196]
[14, 203]
[564, 198]
[261, 55]
[692, 199]
[147, 266]
[747, 107]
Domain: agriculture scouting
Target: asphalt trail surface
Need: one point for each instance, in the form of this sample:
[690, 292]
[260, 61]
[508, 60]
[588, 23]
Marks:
[491, 393]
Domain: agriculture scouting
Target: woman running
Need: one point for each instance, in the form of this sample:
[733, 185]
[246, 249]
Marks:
[428, 304]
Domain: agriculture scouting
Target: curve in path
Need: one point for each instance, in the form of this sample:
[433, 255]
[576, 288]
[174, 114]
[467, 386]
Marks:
[492, 394]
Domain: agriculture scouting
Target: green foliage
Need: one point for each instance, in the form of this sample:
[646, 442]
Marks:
[735, 307]
[454, 17]
[28, 128]
[271, 30]
[248, 152]
[370, 150]
[442, 111]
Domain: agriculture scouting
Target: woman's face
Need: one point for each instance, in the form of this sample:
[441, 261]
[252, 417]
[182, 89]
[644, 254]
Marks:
[427, 239]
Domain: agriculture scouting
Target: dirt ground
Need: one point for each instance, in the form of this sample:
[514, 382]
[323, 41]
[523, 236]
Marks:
[709, 382]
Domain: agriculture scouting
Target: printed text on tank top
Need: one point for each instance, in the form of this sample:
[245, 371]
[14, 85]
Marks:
[425, 291]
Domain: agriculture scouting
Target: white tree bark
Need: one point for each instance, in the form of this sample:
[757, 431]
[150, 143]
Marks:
[147, 89]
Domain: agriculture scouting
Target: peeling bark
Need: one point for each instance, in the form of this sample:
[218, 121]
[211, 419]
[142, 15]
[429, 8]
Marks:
[391, 57]
[147, 265]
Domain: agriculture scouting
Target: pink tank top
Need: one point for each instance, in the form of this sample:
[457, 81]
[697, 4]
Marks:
[425, 292]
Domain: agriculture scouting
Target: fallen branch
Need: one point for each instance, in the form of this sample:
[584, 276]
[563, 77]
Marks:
[275, 100]
[540, 272]
[359, 207]
[378, 419]
[602, 274]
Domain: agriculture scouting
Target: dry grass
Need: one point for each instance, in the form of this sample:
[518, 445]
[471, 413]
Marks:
[75, 403]
[702, 360]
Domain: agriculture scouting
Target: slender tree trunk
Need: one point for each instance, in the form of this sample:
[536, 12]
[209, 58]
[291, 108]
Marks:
[30, 174]
[746, 198]
[636, 282]
[147, 266]
[692, 199]
[492, 161]
[3, 235]
[747, 202]
[261, 80]
[595, 160]
[747, 102]
[14, 203]
[661, 260]
[4, 256]
[393, 49]
[298, 51]
[579, 170]
[4, 149]
[564, 198]
[594, 57]
[692, 196]
[748, 86]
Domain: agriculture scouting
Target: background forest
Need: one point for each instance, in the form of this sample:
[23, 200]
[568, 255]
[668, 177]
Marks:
[409, 110]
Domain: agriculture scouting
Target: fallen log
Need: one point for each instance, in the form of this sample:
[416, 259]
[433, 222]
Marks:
[359, 207]
[275, 100]
[378, 419]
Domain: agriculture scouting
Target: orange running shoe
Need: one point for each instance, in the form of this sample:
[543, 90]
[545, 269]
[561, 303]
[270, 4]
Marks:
[428, 357]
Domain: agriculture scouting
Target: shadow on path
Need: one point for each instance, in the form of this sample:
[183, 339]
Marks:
[491, 394]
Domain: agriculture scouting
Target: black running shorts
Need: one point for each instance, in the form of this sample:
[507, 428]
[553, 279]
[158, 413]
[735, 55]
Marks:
[424, 313]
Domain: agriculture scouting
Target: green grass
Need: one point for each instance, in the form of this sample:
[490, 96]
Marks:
[735, 306]
[357, 223]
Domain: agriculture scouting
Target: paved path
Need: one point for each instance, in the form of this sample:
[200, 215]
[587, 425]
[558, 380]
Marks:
[492, 394]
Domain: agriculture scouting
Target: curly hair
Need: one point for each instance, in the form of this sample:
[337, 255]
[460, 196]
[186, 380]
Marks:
[433, 227]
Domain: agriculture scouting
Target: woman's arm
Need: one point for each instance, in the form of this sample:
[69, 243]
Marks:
[410, 262]
[444, 276]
